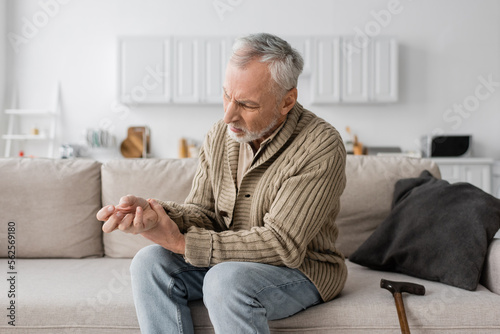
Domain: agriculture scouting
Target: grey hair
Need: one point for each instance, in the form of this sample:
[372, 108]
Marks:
[284, 62]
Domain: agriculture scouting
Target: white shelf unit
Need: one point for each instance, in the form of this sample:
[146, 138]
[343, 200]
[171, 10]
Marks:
[17, 115]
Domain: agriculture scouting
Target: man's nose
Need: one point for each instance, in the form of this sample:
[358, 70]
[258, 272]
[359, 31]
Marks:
[231, 114]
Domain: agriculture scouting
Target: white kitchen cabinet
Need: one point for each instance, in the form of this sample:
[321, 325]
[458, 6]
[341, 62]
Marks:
[346, 71]
[496, 179]
[190, 70]
[180, 70]
[326, 70]
[199, 66]
[477, 171]
[484, 173]
[355, 71]
[384, 76]
[215, 53]
[144, 70]
[186, 70]
[304, 46]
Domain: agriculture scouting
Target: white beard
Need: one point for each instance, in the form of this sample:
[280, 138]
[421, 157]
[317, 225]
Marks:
[249, 136]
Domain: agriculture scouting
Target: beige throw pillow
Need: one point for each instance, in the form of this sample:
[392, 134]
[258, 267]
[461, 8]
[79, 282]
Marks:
[52, 205]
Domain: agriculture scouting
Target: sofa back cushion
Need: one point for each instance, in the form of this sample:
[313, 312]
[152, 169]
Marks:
[51, 204]
[164, 179]
[365, 203]
[367, 198]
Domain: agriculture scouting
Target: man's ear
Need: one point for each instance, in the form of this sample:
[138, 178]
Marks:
[288, 101]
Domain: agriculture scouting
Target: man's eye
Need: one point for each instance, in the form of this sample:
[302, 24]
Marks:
[245, 106]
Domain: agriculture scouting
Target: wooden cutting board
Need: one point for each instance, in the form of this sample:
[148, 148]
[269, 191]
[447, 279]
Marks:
[133, 145]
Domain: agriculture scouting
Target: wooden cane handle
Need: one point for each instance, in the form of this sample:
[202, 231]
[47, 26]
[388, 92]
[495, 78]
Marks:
[400, 307]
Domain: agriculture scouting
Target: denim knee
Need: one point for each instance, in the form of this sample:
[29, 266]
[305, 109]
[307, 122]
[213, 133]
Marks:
[222, 282]
[230, 299]
[222, 277]
[145, 259]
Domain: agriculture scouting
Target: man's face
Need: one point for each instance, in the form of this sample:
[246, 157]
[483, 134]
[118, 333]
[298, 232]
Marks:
[250, 108]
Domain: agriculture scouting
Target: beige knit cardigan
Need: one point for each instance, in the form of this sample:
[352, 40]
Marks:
[284, 211]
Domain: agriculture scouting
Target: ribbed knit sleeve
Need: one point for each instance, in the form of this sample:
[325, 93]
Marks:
[199, 207]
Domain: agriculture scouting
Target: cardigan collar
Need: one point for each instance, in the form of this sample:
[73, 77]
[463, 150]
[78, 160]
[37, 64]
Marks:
[269, 150]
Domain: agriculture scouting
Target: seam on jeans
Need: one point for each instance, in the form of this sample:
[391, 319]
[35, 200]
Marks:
[184, 270]
[283, 285]
[253, 317]
[177, 308]
[300, 281]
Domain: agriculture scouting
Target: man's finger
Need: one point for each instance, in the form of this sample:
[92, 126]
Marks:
[139, 218]
[127, 201]
[105, 213]
[157, 208]
[111, 224]
[126, 220]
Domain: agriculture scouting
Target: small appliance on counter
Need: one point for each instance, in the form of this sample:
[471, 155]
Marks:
[446, 145]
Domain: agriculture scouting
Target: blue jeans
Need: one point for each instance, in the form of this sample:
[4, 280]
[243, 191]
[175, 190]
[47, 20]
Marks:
[240, 296]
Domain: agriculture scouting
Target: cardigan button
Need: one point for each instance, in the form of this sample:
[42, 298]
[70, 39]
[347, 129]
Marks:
[223, 213]
[247, 195]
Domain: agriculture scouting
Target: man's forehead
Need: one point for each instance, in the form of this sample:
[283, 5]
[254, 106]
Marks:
[253, 78]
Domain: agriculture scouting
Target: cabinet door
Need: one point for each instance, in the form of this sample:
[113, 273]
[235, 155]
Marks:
[451, 173]
[355, 71]
[478, 175]
[496, 180]
[303, 46]
[326, 72]
[385, 70]
[214, 58]
[144, 70]
[186, 60]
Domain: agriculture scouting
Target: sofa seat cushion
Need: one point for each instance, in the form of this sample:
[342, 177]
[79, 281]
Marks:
[95, 296]
[364, 307]
[53, 204]
[72, 296]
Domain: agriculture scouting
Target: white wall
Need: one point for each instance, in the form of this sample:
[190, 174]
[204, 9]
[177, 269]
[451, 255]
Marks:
[445, 46]
[3, 28]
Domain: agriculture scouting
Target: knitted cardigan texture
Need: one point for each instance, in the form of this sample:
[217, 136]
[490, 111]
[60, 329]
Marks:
[284, 212]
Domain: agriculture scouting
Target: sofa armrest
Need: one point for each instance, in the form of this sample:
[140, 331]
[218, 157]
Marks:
[491, 271]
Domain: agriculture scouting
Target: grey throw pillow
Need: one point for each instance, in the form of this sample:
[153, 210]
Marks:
[436, 231]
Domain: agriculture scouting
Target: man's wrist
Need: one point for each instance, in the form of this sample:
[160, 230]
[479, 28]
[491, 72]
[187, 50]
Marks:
[178, 246]
[182, 245]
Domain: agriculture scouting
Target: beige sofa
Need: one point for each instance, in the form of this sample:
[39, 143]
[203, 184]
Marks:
[67, 277]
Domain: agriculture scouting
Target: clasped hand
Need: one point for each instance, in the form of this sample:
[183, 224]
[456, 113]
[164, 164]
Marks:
[146, 217]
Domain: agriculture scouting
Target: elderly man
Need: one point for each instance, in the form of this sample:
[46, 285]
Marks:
[256, 236]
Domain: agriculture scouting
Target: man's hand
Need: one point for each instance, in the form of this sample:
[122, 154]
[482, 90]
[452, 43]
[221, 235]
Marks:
[167, 232]
[146, 217]
[132, 215]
